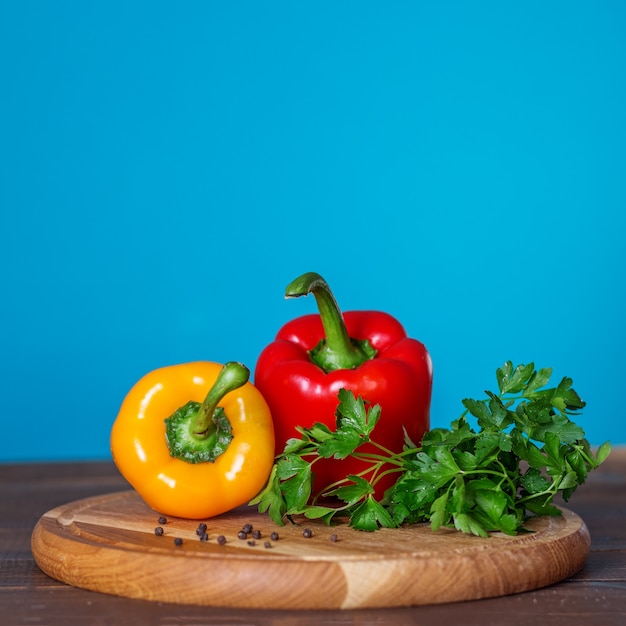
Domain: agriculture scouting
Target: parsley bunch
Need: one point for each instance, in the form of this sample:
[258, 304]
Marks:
[524, 451]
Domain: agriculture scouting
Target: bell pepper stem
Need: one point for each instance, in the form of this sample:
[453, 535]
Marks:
[201, 432]
[338, 350]
[232, 376]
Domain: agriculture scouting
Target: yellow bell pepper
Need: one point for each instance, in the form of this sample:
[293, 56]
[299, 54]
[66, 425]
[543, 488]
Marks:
[195, 440]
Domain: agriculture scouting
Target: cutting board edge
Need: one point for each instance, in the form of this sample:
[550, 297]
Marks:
[53, 554]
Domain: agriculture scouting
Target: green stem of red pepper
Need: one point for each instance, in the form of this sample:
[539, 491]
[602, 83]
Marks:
[338, 350]
[200, 432]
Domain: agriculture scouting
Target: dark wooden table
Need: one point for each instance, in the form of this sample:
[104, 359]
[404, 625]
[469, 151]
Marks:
[596, 595]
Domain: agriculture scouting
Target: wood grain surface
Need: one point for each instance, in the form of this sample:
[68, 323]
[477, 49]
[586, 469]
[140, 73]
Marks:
[107, 544]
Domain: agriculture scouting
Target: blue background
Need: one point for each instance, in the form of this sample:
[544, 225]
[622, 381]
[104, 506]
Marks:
[166, 171]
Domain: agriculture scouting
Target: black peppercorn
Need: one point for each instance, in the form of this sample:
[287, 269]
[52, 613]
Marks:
[162, 520]
[221, 540]
[274, 536]
[307, 532]
[158, 531]
[178, 541]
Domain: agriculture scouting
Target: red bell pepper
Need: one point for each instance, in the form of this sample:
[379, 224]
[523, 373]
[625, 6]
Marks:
[365, 352]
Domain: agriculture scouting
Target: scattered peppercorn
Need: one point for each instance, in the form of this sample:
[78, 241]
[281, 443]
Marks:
[252, 542]
[256, 534]
[201, 529]
[221, 540]
[307, 532]
[204, 537]
[274, 536]
[162, 520]
[158, 531]
[333, 537]
[267, 544]
[247, 528]
[178, 541]
[242, 534]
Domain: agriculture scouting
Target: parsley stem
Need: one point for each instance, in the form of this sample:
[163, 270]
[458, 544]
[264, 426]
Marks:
[373, 469]
[368, 456]
[548, 493]
[503, 475]
[389, 453]
[590, 461]
[391, 470]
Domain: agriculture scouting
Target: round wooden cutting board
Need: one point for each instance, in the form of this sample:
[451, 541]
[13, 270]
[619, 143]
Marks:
[108, 544]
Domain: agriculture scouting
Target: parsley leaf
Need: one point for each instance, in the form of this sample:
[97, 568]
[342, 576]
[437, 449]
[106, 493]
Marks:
[370, 515]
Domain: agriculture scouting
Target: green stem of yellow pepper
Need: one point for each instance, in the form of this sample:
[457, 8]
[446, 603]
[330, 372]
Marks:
[232, 376]
[200, 432]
